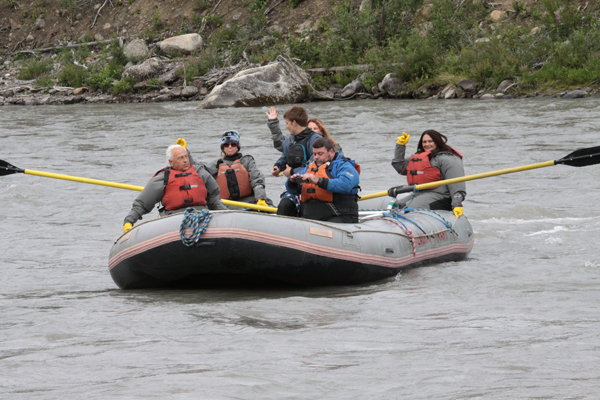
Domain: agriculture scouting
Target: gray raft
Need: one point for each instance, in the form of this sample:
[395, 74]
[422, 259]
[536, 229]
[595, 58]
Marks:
[250, 248]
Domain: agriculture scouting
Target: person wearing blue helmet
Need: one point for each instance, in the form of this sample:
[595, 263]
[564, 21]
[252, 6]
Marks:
[236, 174]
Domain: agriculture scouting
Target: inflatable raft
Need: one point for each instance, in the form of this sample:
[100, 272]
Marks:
[248, 248]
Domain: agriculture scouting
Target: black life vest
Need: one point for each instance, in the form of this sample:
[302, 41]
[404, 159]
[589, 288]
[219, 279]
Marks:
[298, 153]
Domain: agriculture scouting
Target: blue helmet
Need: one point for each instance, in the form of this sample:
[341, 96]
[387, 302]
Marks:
[230, 137]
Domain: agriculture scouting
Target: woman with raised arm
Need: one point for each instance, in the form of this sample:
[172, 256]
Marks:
[433, 161]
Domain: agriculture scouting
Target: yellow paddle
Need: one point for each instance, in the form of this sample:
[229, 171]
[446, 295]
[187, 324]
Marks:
[578, 158]
[8, 169]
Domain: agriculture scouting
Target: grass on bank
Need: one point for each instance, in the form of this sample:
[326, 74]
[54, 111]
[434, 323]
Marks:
[554, 43]
[422, 44]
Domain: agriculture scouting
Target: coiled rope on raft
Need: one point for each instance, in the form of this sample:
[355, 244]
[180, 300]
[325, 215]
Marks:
[196, 221]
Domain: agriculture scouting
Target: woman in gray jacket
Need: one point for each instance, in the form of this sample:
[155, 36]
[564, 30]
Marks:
[237, 175]
[433, 161]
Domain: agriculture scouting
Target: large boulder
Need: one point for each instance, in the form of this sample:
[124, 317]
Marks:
[183, 44]
[575, 94]
[136, 50]
[281, 82]
[353, 88]
[146, 70]
[504, 85]
[391, 85]
[467, 85]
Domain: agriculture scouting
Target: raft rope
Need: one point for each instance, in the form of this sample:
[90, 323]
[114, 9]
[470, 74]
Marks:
[197, 221]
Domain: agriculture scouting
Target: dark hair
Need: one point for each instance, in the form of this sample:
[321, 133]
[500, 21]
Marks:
[298, 114]
[440, 143]
[323, 142]
[324, 131]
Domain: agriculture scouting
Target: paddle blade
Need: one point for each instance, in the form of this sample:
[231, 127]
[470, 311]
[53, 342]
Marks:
[8, 169]
[582, 157]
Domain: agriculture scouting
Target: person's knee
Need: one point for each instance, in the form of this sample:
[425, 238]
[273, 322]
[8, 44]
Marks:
[287, 207]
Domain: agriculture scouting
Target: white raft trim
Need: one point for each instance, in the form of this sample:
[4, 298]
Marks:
[311, 248]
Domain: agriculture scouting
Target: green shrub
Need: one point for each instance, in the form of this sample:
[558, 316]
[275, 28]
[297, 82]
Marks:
[44, 81]
[125, 85]
[72, 75]
[102, 79]
[157, 22]
[34, 68]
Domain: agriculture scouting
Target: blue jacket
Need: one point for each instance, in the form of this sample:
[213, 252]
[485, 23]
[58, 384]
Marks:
[345, 178]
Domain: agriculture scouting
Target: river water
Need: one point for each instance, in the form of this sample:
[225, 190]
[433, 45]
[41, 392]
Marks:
[519, 319]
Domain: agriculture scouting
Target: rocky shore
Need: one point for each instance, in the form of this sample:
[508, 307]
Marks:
[158, 75]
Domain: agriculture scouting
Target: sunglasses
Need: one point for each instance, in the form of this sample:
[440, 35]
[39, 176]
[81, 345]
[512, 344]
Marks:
[230, 144]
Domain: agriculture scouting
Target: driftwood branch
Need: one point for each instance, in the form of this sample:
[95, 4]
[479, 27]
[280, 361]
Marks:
[98, 13]
[268, 10]
[69, 46]
[337, 69]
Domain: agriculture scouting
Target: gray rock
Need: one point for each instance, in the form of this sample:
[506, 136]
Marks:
[140, 85]
[353, 88]
[504, 85]
[391, 85]
[507, 97]
[281, 82]
[450, 94]
[39, 23]
[488, 96]
[165, 91]
[499, 95]
[169, 76]
[136, 50]
[73, 99]
[467, 85]
[163, 97]
[176, 92]
[183, 44]
[189, 91]
[575, 94]
[146, 70]
[449, 91]
[324, 95]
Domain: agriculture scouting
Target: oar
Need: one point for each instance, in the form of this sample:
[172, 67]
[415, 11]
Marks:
[8, 169]
[578, 158]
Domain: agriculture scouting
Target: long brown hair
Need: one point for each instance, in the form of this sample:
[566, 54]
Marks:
[322, 128]
[440, 143]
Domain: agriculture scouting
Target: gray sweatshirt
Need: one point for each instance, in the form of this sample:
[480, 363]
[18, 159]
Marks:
[155, 189]
[450, 167]
[257, 179]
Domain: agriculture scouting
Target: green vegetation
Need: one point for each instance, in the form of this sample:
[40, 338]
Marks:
[437, 43]
[552, 44]
[34, 68]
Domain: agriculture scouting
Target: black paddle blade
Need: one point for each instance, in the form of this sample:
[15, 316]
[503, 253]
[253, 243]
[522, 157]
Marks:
[582, 157]
[8, 169]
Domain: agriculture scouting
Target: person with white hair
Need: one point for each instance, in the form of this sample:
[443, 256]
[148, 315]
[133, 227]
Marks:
[175, 187]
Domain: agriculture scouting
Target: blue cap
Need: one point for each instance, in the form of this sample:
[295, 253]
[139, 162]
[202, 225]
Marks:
[230, 137]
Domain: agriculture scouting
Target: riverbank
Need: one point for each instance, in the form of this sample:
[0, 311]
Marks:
[436, 49]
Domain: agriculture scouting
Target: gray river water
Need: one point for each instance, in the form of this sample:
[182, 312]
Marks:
[520, 319]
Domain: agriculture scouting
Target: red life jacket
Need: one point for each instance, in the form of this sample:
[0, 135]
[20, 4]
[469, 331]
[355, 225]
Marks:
[419, 169]
[234, 181]
[183, 189]
[312, 191]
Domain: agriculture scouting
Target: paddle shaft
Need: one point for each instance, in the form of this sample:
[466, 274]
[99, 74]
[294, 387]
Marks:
[463, 179]
[133, 187]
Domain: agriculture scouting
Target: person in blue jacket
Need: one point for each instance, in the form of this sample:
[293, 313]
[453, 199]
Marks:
[328, 187]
